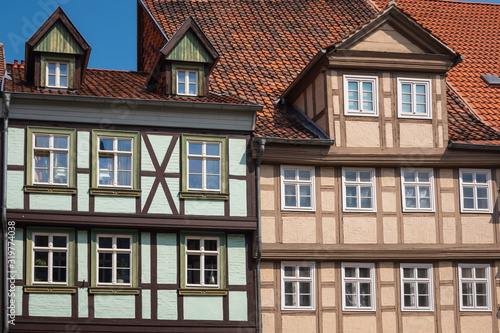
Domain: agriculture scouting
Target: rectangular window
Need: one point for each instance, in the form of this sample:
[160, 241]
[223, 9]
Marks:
[187, 82]
[475, 191]
[297, 286]
[360, 95]
[50, 258]
[358, 287]
[50, 159]
[474, 285]
[358, 187]
[204, 167]
[297, 188]
[57, 74]
[203, 262]
[417, 189]
[416, 287]
[414, 98]
[115, 163]
[114, 260]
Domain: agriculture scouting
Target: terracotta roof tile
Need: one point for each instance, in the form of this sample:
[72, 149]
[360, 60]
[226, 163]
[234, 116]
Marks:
[472, 30]
[2, 60]
[111, 83]
[264, 45]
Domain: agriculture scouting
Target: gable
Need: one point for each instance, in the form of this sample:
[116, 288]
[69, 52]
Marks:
[386, 39]
[58, 40]
[189, 48]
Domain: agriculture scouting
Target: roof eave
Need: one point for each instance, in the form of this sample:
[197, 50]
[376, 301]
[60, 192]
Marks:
[472, 146]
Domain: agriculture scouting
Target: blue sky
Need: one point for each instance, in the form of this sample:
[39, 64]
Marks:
[109, 26]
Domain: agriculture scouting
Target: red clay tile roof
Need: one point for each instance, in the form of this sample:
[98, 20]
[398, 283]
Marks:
[472, 30]
[264, 45]
[2, 60]
[111, 83]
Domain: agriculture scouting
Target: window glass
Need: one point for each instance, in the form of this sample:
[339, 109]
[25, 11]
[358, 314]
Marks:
[358, 287]
[475, 191]
[416, 287]
[475, 293]
[358, 189]
[297, 186]
[360, 95]
[297, 286]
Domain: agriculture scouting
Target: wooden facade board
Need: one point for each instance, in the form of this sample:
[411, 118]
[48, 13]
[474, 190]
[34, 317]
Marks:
[190, 49]
[58, 40]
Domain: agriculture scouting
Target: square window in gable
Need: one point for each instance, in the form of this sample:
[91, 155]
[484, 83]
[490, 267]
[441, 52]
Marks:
[360, 95]
[187, 82]
[414, 98]
[57, 74]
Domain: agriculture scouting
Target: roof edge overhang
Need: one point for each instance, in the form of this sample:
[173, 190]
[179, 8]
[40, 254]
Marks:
[134, 101]
[472, 146]
[313, 142]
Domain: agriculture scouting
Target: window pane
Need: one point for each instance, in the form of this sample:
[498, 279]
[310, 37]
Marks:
[123, 260]
[367, 86]
[368, 106]
[52, 80]
[420, 89]
[63, 81]
[105, 242]
[420, 99]
[63, 69]
[195, 148]
[351, 202]
[467, 288]
[467, 300]
[406, 88]
[409, 176]
[124, 145]
[480, 273]
[421, 108]
[192, 77]
[123, 243]
[467, 177]
[42, 159]
[411, 202]
[210, 277]
[213, 167]
[365, 192]
[305, 201]
[482, 204]
[367, 97]
[59, 259]
[350, 271]
[365, 301]
[408, 288]
[305, 300]
[304, 272]
[41, 274]
[423, 301]
[41, 141]
[290, 300]
[290, 190]
[481, 178]
[364, 272]
[105, 275]
[409, 301]
[468, 203]
[408, 272]
[212, 149]
[482, 192]
[364, 288]
[406, 108]
[106, 144]
[124, 178]
[105, 259]
[422, 273]
[364, 176]
[289, 174]
[41, 258]
[52, 67]
[210, 245]
[193, 244]
[305, 190]
[305, 287]
[211, 262]
[423, 288]
[105, 178]
[181, 88]
[366, 203]
[289, 287]
[350, 176]
[353, 95]
[481, 300]
[350, 300]
[194, 181]
[123, 276]
[304, 175]
[351, 191]
[213, 182]
[59, 274]
[60, 160]
[425, 203]
[193, 276]
[124, 162]
[58, 241]
[60, 142]
[467, 272]
[289, 271]
[352, 85]
[192, 89]
[195, 165]
[41, 240]
[481, 288]
[193, 261]
[353, 106]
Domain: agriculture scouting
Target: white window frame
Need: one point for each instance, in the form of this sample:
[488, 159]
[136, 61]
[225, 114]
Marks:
[358, 280]
[115, 152]
[297, 182]
[114, 251]
[186, 82]
[358, 184]
[475, 186]
[428, 98]
[297, 279]
[474, 281]
[415, 281]
[202, 252]
[57, 74]
[360, 79]
[204, 157]
[417, 185]
[51, 151]
[50, 249]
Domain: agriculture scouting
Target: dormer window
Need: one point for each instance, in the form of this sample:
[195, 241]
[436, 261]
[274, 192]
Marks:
[187, 82]
[57, 74]
[414, 98]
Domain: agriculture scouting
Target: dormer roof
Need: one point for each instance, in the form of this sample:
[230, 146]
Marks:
[56, 35]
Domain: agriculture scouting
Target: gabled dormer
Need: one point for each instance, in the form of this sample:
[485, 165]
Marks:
[57, 54]
[184, 64]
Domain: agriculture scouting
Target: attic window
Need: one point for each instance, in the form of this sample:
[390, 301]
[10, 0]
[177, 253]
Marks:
[492, 80]
[187, 82]
[57, 74]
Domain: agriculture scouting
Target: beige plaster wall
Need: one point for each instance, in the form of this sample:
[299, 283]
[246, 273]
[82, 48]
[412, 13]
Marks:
[416, 135]
[419, 229]
[418, 324]
[360, 230]
[362, 134]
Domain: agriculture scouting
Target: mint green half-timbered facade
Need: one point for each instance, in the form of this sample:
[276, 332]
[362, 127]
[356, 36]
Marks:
[132, 213]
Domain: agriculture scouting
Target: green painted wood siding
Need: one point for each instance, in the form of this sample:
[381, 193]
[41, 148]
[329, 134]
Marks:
[190, 49]
[58, 40]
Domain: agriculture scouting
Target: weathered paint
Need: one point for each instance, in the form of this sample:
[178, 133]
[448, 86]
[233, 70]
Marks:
[204, 207]
[83, 303]
[166, 262]
[58, 40]
[236, 260]
[15, 192]
[83, 139]
[238, 306]
[49, 305]
[173, 165]
[146, 163]
[159, 205]
[167, 304]
[114, 306]
[237, 197]
[105, 204]
[146, 303]
[15, 150]
[50, 201]
[174, 187]
[83, 192]
[82, 239]
[189, 48]
[19, 300]
[19, 248]
[237, 157]
[203, 308]
[145, 257]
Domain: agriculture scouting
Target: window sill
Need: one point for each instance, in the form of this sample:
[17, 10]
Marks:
[115, 290]
[360, 114]
[203, 292]
[204, 195]
[50, 189]
[50, 289]
[118, 192]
